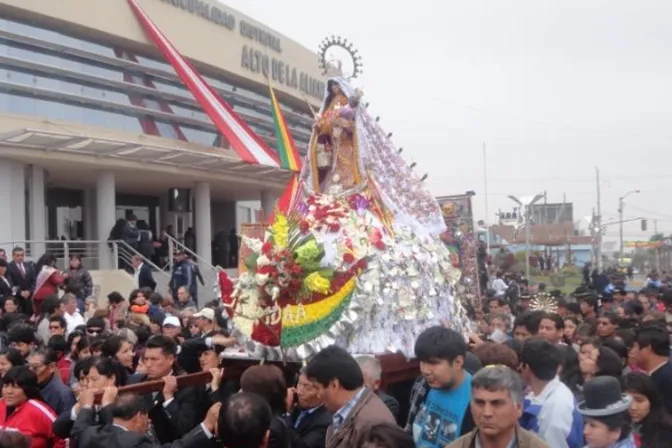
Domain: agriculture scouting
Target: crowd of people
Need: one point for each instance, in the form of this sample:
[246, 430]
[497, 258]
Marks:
[588, 370]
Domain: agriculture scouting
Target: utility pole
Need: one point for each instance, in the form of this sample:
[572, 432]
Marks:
[620, 218]
[620, 229]
[657, 249]
[485, 181]
[528, 224]
[598, 220]
[526, 209]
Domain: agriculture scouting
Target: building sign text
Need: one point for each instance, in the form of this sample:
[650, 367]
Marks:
[281, 72]
[227, 20]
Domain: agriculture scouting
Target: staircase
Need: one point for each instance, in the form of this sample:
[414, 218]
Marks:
[208, 271]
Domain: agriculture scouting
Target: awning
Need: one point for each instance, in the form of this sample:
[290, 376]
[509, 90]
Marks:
[206, 159]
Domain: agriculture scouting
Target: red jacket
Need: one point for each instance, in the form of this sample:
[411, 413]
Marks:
[34, 419]
[49, 287]
[64, 368]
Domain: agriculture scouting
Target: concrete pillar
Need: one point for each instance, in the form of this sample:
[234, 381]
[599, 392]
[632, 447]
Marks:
[267, 203]
[105, 216]
[203, 223]
[13, 202]
[38, 215]
[19, 228]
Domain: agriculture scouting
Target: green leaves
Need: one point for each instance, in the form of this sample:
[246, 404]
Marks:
[251, 262]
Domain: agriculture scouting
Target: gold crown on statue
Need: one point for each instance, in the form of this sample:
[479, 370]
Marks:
[334, 67]
[543, 301]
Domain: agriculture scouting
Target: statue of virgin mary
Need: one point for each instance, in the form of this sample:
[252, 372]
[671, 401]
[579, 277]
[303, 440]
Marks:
[377, 228]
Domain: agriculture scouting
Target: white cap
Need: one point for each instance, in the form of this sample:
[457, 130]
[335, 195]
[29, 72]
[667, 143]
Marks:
[171, 320]
[206, 313]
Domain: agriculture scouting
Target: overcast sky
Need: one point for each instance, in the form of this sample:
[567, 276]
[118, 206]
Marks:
[554, 88]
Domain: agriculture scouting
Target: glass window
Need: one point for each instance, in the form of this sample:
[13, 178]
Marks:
[147, 62]
[74, 63]
[17, 104]
[219, 84]
[166, 130]
[189, 113]
[199, 136]
[252, 112]
[163, 86]
[258, 107]
[55, 37]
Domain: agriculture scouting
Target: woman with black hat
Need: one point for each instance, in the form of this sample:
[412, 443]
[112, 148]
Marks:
[605, 409]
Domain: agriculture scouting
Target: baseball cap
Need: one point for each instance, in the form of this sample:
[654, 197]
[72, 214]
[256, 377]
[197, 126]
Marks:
[206, 313]
[171, 320]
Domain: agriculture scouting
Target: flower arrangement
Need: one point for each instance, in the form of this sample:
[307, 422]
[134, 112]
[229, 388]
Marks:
[225, 289]
[287, 264]
[324, 213]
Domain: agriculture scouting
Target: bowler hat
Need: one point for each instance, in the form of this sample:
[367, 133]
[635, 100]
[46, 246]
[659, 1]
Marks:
[603, 397]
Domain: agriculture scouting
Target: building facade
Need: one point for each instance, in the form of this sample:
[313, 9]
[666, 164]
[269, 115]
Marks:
[94, 124]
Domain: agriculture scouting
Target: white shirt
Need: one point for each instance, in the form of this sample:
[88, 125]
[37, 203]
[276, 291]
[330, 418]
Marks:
[137, 275]
[73, 321]
[556, 414]
[500, 286]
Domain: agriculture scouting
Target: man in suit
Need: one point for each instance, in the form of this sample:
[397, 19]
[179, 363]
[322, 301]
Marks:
[22, 276]
[174, 412]
[308, 418]
[144, 278]
[130, 423]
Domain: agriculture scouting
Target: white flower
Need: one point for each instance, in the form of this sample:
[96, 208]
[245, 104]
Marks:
[275, 293]
[253, 243]
[263, 261]
[261, 279]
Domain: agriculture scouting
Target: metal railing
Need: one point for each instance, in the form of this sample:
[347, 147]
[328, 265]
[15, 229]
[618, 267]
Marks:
[208, 271]
[95, 254]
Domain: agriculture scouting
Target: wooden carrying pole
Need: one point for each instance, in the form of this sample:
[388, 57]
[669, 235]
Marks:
[233, 369]
[146, 387]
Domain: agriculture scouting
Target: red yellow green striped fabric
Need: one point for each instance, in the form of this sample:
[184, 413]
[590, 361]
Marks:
[285, 201]
[289, 155]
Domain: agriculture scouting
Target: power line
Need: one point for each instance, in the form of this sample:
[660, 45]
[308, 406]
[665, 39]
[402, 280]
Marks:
[634, 207]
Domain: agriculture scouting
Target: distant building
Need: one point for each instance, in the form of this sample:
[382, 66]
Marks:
[562, 212]
[553, 213]
[556, 239]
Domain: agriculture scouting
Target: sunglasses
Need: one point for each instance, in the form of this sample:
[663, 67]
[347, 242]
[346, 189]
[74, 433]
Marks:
[93, 331]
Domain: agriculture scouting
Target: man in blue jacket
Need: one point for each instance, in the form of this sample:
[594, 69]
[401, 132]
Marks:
[183, 275]
[57, 395]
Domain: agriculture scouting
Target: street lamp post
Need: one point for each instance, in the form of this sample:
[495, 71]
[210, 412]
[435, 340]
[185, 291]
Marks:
[527, 203]
[620, 218]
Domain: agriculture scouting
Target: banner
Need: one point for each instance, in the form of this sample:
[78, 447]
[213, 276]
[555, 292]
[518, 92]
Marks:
[460, 239]
[644, 244]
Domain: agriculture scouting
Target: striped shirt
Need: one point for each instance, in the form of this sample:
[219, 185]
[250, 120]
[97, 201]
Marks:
[342, 414]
